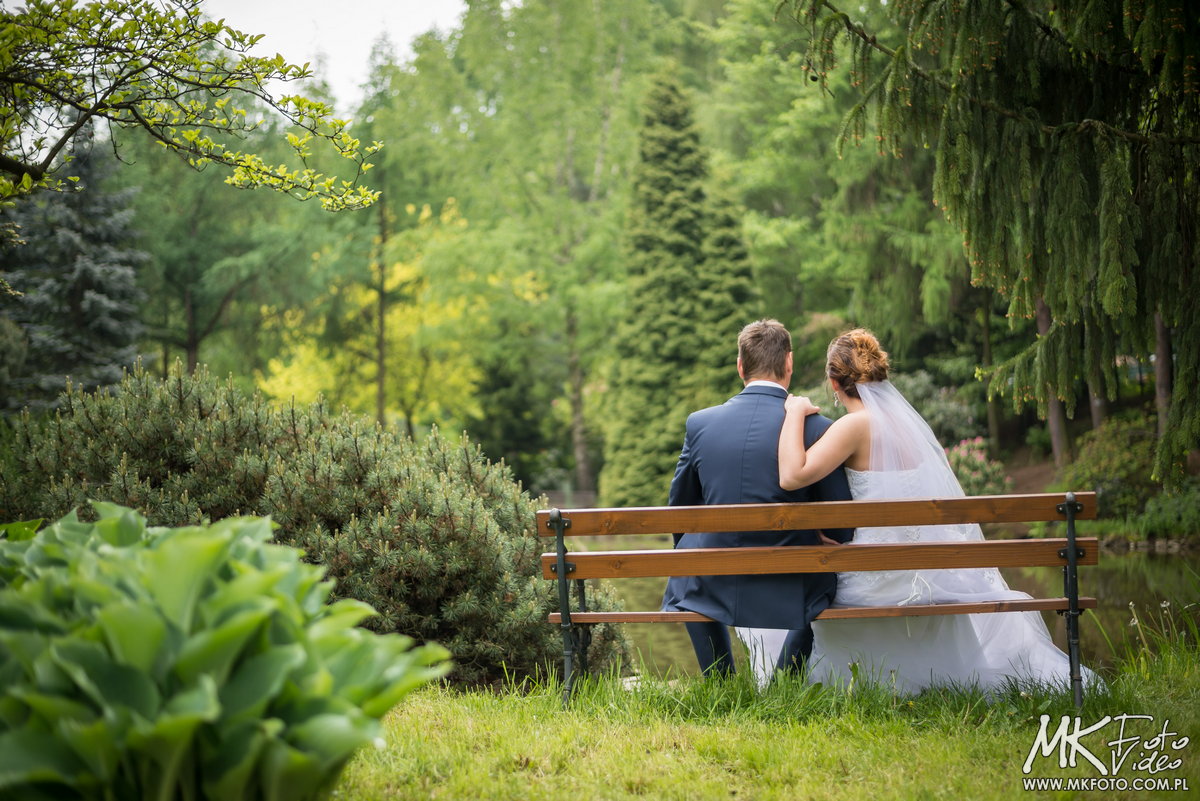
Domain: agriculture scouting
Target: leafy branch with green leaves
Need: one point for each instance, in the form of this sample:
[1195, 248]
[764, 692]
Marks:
[161, 68]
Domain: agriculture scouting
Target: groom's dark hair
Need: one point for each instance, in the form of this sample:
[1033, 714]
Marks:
[763, 347]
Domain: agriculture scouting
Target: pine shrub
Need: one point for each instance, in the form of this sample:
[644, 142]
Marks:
[437, 539]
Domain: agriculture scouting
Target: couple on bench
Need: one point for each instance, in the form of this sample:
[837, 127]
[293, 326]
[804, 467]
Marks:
[766, 446]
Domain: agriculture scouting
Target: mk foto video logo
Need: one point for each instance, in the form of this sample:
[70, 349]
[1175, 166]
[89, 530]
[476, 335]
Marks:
[1140, 756]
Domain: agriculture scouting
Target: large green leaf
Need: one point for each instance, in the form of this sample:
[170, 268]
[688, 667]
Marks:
[33, 756]
[108, 683]
[231, 774]
[289, 774]
[214, 651]
[118, 525]
[175, 572]
[97, 743]
[257, 681]
[343, 614]
[53, 708]
[331, 739]
[134, 632]
[170, 739]
[20, 531]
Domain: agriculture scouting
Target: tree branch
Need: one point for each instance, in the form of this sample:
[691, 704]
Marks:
[1050, 130]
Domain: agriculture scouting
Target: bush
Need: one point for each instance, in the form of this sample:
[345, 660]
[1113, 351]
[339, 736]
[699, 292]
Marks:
[1172, 515]
[197, 662]
[1116, 461]
[948, 415]
[978, 474]
[433, 536]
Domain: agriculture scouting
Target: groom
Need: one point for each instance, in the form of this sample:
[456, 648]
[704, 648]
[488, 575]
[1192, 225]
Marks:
[730, 456]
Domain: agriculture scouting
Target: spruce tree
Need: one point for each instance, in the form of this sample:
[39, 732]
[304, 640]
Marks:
[728, 299]
[77, 309]
[1067, 139]
[682, 311]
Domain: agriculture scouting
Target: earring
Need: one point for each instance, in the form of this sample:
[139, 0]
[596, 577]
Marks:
[835, 399]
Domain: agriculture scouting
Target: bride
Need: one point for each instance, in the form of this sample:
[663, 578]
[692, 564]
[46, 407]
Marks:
[889, 451]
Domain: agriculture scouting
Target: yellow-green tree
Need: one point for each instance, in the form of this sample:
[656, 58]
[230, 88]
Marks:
[421, 343]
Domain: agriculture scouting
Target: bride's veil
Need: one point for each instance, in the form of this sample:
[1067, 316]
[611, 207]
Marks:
[906, 459]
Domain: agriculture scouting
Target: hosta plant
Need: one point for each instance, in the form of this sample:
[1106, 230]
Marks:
[200, 662]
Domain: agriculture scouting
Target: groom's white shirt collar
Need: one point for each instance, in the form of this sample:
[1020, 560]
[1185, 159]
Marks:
[764, 383]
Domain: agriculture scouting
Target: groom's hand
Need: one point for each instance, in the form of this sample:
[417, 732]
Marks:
[827, 540]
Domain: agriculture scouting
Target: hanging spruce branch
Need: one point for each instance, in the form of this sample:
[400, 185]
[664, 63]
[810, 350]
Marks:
[1066, 137]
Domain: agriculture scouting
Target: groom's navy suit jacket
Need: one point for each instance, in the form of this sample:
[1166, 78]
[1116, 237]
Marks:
[730, 455]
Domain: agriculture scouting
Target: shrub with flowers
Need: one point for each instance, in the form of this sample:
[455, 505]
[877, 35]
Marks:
[978, 474]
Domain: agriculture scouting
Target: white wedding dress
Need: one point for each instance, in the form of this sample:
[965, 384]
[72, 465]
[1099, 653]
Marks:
[912, 653]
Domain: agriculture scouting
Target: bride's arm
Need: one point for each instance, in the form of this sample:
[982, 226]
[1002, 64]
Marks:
[800, 466]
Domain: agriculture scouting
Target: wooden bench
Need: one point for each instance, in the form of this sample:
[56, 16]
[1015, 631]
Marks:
[577, 566]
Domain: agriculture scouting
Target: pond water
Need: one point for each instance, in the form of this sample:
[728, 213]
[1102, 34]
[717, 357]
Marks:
[1162, 588]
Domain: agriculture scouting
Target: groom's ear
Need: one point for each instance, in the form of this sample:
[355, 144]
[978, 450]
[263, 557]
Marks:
[741, 370]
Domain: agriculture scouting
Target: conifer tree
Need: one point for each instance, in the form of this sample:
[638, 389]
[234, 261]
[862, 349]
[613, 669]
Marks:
[77, 309]
[682, 295]
[727, 301]
[1067, 139]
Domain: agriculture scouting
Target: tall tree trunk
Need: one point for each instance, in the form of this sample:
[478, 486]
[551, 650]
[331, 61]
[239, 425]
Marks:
[993, 403]
[192, 348]
[1097, 405]
[381, 317]
[1056, 417]
[1163, 372]
[585, 479]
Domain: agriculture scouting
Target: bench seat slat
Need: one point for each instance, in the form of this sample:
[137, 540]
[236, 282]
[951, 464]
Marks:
[820, 515]
[846, 612]
[820, 558]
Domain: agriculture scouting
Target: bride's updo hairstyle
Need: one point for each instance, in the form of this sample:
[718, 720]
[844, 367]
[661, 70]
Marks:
[856, 358]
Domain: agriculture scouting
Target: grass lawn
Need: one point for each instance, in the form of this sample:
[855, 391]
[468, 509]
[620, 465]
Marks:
[696, 739]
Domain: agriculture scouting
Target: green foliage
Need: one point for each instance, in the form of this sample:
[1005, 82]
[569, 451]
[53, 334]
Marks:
[1173, 514]
[978, 474]
[1116, 460]
[437, 539]
[947, 413]
[688, 294]
[198, 662]
[1066, 141]
[76, 317]
[162, 69]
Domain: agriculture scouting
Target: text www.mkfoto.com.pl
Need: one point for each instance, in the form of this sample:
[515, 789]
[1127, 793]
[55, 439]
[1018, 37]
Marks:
[1104, 783]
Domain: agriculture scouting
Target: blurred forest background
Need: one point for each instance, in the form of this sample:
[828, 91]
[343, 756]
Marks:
[581, 204]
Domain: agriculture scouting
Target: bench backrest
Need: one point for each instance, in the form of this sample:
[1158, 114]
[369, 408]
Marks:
[815, 559]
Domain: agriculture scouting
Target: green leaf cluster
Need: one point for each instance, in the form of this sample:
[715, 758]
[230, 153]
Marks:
[441, 542]
[1066, 138]
[1115, 461]
[161, 68]
[200, 662]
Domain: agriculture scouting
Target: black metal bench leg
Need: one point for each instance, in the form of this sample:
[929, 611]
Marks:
[1071, 586]
[561, 569]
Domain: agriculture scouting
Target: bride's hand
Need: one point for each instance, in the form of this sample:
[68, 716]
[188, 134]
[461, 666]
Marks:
[800, 404]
